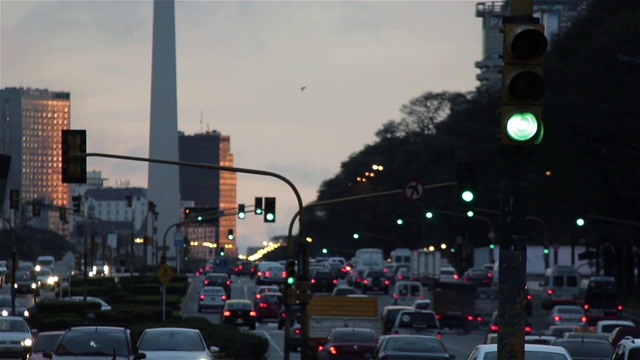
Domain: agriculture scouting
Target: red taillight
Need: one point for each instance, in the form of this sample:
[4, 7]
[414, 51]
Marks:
[550, 291]
[283, 314]
[494, 327]
[400, 277]
[202, 297]
[358, 279]
[583, 319]
[335, 281]
[258, 296]
[490, 274]
[206, 282]
[386, 282]
[456, 276]
[224, 297]
[228, 282]
[284, 274]
[557, 318]
[240, 267]
[252, 313]
[366, 281]
[263, 305]
[320, 348]
[386, 270]
[395, 296]
[226, 313]
[197, 274]
[267, 273]
[586, 306]
[470, 317]
[527, 329]
[333, 350]
[529, 296]
[208, 267]
[479, 319]
[438, 316]
[439, 335]
[313, 281]
[620, 307]
[297, 331]
[421, 297]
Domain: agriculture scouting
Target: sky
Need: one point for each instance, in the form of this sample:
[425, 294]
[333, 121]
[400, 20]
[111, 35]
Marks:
[240, 69]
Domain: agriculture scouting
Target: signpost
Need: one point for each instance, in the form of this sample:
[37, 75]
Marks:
[414, 190]
[165, 274]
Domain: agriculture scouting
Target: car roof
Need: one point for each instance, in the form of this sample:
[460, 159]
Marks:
[239, 301]
[531, 347]
[97, 328]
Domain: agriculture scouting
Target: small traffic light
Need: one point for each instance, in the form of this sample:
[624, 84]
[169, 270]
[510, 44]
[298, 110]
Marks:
[470, 213]
[356, 235]
[524, 46]
[467, 179]
[545, 250]
[258, 206]
[428, 215]
[324, 250]
[35, 208]
[77, 203]
[492, 246]
[129, 201]
[269, 209]
[580, 221]
[221, 252]
[63, 214]
[74, 166]
[399, 221]
[241, 212]
[291, 272]
[14, 199]
[78, 261]
[230, 234]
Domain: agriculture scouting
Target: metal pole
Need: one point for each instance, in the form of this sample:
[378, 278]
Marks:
[164, 301]
[14, 265]
[131, 242]
[85, 278]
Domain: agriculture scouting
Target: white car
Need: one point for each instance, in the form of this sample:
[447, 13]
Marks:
[449, 274]
[532, 351]
[607, 326]
[175, 343]
[567, 315]
[103, 304]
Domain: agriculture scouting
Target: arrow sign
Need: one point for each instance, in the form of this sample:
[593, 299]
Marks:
[413, 190]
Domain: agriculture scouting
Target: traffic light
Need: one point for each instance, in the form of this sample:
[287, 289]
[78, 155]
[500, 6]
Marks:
[580, 221]
[269, 209]
[257, 205]
[241, 212]
[399, 221]
[221, 252]
[467, 178]
[78, 261]
[207, 215]
[35, 208]
[74, 166]
[492, 246]
[14, 199]
[428, 215]
[230, 234]
[324, 251]
[129, 201]
[356, 236]
[545, 250]
[77, 203]
[524, 46]
[63, 214]
[291, 272]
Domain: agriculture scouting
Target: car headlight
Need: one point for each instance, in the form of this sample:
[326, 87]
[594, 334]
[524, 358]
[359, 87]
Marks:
[26, 313]
[5, 313]
[26, 342]
[34, 285]
[51, 280]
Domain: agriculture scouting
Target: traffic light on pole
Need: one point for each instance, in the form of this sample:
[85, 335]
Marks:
[291, 272]
[35, 207]
[467, 179]
[524, 46]
[269, 209]
[545, 250]
[74, 166]
[258, 206]
[230, 235]
[63, 214]
[14, 199]
[241, 211]
[129, 201]
[77, 203]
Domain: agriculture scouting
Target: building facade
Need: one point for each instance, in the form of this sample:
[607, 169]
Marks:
[32, 123]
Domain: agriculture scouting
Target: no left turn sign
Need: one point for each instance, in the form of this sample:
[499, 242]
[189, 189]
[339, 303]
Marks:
[413, 190]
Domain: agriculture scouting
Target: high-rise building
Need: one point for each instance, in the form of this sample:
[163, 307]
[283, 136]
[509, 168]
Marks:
[556, 15]
[32, 124]
[209, 189]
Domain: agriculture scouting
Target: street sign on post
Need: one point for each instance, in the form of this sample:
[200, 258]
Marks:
[178, 239]
[165, 273]
[413, 190]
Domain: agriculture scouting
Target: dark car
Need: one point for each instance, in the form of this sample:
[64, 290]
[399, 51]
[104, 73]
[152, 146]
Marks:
[45, 341]
[239, 313]
[399, 347]
[243, 268]
[375, 280]
[493, 326]
[5, 307]
[481, 277]
[323, 281]
[621, 332]
[25, 283]
[586, 349]
[269, 306]
[292, 315]
[219, 279]
[348, 343]
[95, 342]
[389, 314]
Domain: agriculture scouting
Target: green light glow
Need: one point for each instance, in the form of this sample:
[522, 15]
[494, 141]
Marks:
[522, 126]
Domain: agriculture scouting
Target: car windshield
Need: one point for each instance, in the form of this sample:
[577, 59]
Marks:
[212, 290]
[171, 340]
[79, 343]
[45, 272]
[13, 325]
[417, 319]
[269, 298]
[345, 291]
[218, 279]
[530, 355]
[46, 342]
[354, 336]
[322, 275]
[422, 345]
[572, 311]
[375, 274]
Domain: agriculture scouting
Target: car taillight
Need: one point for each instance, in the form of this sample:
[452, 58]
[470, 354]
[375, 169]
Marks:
[358, 280]
[557, 318]
[620, 307]
[583, 319]
[240, 267]
[206, 282]
[320, 348]
[335, 281]
[399, 277]
[252, 313]
[438, 316]
[208, 267]
[439, 335]
[489, 275]
[258, 296]
[456, 276]
[550, 291]
[224, 297]
[386, 282]
[297, 331]
[395, 296]
[586, 306]
[479, 319]
[333, 350]
[494, 327]
[202, 297]
[527, 329]
[267, 273]
[259, 273]
[396, 332]
[529, 297]
[366, 281]
[284, 314]
[421, 297]
[470, 317]
[386, 270]
[313, 281]
[226, 313]
[284, 274]
[263, 305]
[228, 282]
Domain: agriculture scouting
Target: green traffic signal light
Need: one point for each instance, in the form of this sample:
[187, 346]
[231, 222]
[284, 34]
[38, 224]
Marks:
[356, 235]
[524, 126]
[470, 213]
[546, 251]
[492, 246]
[324, 251]
[428, 215]
[580, 222]
[291, 280]
[453, 250]
[399, 221]
[467, 195]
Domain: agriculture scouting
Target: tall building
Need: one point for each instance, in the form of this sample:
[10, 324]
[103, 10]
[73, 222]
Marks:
[209, 188]
[163, 182]
[32, 123]
[556, 15]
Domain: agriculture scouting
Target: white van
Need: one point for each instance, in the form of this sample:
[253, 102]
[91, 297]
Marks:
[406, 292]
[560, 286]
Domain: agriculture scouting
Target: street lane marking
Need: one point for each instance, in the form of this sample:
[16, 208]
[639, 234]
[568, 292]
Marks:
[271, 342]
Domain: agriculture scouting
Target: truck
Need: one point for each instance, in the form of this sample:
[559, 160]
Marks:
[328, 312]
[425, 267]
[400, 256]
[368, 258]
[454, 305]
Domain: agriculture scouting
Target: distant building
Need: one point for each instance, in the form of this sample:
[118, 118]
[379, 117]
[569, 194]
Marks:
[556, 15]
[32, 122]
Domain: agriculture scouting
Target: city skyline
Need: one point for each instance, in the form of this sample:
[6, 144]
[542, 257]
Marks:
[240, 69]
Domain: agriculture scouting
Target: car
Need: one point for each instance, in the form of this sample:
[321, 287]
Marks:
[218, 279]
[239, 313]
[175, 343]
[481, 277]
[422, 304]
[389, 314]
[449, 274]
[607, 326]
[211, 298]
[16, 336]
[402, 275]
[560, 286]
[323, 281]
[491, 338]
[375, 280]
[243, 268]
[493, 324]
[269, 306]
[25, 283]
[585, 335]
[559, 330]
[622, 332]
[539, 339]
[627, 349]
[342, 290]
[45, 341]
[567, 315]
[411, 347]
[46, 279]
[270, 273]
[5, 307]
[104, 306]
[260, 290]
[531, 351]
[292, 315]
[586, 349]
[296, 337]
[95, 342]
[348, 342]
[412, 322]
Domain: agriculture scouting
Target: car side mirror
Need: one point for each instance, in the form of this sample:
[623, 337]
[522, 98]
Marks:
[214, 349]
[47, 355]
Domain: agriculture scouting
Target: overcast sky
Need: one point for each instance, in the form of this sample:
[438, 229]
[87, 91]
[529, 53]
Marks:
[240, 68]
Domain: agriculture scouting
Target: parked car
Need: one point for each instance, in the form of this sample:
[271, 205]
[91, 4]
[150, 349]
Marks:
[211, 298]
[411, 347]
[567, 315]
[175, 343]
[17, 339]
[45, 341]
[351, 343]
[269, 306]
[239, 313]
[95, 342]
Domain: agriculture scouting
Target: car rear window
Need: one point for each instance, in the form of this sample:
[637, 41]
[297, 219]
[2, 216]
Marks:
[417, 319]
[354, 336]
[587, 349]
[421, 345]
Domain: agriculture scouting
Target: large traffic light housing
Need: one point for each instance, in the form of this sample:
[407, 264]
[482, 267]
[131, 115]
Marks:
[257, 206]
[74, 166]
[269, 209]
[291, 272]
[524, 46]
